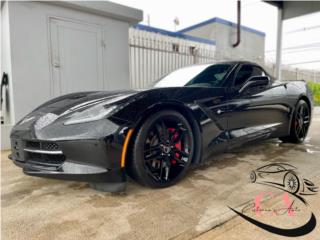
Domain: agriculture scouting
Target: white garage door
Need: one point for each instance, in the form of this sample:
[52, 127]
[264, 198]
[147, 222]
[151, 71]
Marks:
[77, 56]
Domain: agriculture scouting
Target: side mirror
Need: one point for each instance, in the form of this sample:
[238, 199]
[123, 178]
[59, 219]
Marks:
[255, 81]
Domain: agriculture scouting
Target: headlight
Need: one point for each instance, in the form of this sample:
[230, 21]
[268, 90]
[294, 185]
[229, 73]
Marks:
[92, 114]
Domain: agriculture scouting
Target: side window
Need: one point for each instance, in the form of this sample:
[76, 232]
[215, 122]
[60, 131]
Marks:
[245, 72]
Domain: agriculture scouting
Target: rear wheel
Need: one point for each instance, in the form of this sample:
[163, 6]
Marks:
[162, 150]
[299, 124]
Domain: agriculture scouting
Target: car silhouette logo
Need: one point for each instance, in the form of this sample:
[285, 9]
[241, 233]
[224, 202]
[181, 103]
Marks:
[283, 176]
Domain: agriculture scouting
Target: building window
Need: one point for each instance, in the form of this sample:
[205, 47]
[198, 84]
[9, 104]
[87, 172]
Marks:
[175, 47]
[192, 50]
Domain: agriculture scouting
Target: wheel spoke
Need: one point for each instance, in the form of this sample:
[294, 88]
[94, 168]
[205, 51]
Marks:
[180, 161]
[301, 111]
[167, 171]
[298, 129]
[163, 163]
[154, 155]
[153, 148]
[162, 132]
[302, 131]
[152, 174]
[165, 131]
[182, 153]
[181, 133]
[306, 119]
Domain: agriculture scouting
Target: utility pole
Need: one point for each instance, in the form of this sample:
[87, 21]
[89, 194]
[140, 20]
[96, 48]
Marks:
[279, 43]
[176, 23]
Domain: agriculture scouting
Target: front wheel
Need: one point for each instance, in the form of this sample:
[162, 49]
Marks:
[300, 123]
[162, 149]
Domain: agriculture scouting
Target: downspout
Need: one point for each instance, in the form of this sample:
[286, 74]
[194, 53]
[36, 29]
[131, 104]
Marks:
[238, 24]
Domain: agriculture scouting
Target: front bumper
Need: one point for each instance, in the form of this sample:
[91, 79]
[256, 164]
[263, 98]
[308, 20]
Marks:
[95, 161]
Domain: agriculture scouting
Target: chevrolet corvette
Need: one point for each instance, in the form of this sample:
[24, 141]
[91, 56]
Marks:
[155, 135]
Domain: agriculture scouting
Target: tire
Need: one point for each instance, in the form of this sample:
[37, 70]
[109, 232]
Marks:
[299, 124]
[291, 182]
[162, 150]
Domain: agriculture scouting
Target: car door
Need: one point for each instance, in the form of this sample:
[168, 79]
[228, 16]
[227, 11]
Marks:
[211, 98]
[251, 111]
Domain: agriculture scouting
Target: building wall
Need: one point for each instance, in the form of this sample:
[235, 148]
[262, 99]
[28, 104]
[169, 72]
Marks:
[224, 33]
[251, 46]
[30, 59]
[6, 59]
[6, 67]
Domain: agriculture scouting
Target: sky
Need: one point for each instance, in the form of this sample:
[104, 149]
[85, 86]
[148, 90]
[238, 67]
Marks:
[301, 35]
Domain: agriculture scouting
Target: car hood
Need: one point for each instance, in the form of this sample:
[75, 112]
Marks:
[62, 107]
[65, 105]
[82, 100]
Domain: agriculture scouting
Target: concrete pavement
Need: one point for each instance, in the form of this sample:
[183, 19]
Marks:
[237, 228]
[36, 208]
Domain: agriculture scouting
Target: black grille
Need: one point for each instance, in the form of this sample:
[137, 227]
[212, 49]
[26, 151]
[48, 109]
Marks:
[49, 146]
[35, 145]
[43, 154]
[46, 159]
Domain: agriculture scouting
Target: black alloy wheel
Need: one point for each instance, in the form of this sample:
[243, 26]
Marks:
[300, 123]
[162, 150]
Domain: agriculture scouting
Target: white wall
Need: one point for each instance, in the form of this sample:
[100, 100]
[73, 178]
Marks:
[251, 46]
[8, 112]
[30, 52]
[30, 60]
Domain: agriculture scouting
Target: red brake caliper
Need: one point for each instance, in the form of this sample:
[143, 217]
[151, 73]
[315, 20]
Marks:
[177, 145]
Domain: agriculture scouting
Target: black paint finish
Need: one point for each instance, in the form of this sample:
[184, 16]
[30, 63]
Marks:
[91, 151]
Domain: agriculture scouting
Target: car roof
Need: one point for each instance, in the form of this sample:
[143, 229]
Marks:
[232, 62]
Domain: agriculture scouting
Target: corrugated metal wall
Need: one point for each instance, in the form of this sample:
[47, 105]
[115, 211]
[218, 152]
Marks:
[153, 55]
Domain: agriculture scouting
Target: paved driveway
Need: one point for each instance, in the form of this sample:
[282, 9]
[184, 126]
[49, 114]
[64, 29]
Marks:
[36, 208]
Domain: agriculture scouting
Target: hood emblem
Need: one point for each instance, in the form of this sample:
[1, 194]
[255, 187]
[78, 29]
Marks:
[45, 120]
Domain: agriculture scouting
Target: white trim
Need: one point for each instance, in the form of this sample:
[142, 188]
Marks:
[106, 9]
[43, 151]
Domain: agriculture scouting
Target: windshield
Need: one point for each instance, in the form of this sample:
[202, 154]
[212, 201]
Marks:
[200, 75]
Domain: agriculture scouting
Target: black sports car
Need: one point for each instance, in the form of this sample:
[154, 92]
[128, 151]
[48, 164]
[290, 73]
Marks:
[155, 135]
